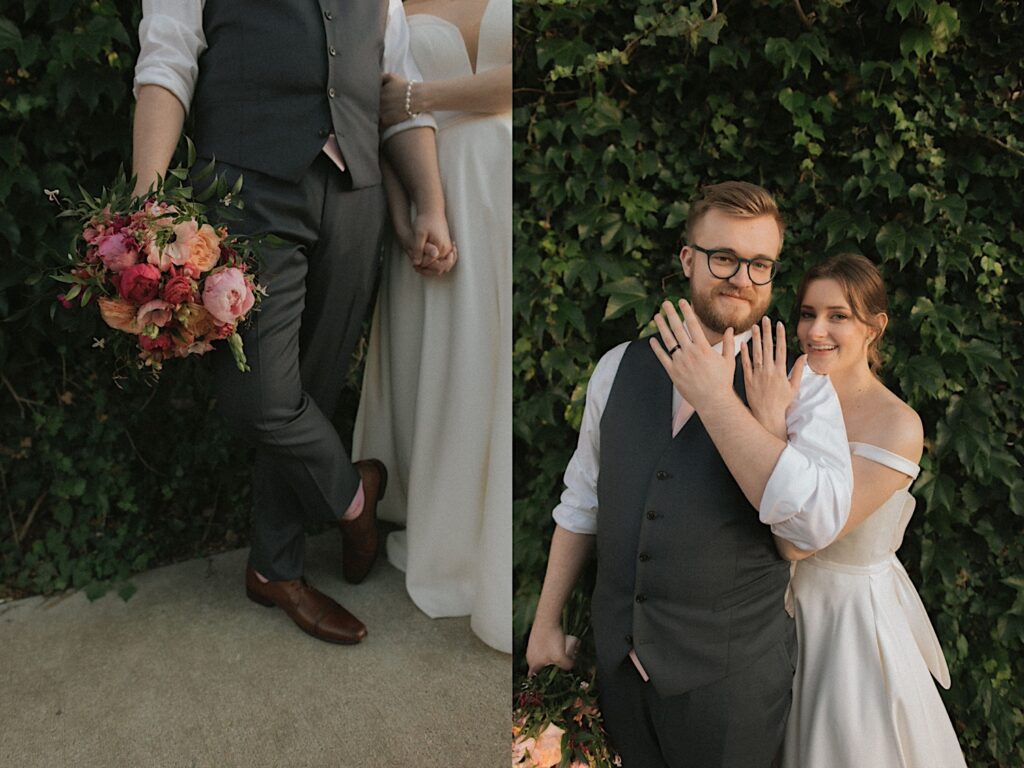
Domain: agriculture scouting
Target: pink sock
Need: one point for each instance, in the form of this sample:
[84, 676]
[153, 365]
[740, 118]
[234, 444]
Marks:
[356, 507]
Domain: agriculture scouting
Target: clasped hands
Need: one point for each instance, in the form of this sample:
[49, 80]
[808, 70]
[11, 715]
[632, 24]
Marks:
[704, 377]
[427, 243]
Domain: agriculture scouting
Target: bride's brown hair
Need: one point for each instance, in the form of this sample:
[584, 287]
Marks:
[864, 289]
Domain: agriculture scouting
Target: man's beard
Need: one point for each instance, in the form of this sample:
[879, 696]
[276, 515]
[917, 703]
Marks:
[709, 315]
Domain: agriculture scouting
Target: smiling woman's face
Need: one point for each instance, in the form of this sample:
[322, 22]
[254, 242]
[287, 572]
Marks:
[833, 338]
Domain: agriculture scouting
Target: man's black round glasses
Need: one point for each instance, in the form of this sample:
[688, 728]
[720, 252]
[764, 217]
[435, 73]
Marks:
[724, 264]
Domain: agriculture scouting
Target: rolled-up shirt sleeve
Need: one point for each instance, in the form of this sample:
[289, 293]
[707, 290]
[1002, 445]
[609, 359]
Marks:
[171, 40]
[398, 59]
[577, 510]
[807, 498]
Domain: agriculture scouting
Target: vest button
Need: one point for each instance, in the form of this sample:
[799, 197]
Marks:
[644, 557]
[333, 51]
[629, 639]
[328, 15]
[651, 514]
[641, 598]
[663, 475]
[324, 133]
[331, 92]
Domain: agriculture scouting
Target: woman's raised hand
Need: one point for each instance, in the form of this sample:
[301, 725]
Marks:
[769, 389]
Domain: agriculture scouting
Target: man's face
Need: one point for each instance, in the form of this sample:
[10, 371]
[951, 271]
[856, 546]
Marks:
[735, 302]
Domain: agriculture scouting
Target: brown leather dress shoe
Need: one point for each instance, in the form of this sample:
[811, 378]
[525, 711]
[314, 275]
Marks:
[359, 537]
[313, 611]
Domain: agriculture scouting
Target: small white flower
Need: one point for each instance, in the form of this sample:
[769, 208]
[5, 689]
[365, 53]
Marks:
[99, 343]
[52, 195]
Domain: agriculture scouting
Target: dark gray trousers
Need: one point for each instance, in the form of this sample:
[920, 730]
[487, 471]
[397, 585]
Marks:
[299, 346]
[735, 722]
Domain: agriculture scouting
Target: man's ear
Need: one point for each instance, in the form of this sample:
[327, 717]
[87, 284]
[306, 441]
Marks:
[686, 260]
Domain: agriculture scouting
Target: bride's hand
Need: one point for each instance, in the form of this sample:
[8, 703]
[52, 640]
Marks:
[769, 390]
[392, 99]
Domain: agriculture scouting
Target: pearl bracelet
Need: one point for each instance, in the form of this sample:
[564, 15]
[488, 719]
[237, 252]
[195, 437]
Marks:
[408, 100]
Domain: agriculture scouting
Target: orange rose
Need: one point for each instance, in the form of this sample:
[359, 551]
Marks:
[119, 314]
[199, 246]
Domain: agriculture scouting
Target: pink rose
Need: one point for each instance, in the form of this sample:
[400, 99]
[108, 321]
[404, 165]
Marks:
[139, 283]
[178, 290]
[227, 296]
[117, 251]
[156, 313]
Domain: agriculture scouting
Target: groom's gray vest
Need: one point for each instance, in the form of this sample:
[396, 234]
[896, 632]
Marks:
[280, 75]
[686, 573]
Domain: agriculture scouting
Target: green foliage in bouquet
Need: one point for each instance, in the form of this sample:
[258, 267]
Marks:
[886, 127]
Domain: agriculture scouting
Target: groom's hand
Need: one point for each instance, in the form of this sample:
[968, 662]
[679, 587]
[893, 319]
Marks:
[702, 376]
[550, 645]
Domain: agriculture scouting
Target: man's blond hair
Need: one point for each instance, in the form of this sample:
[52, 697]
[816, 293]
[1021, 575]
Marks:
[733, 198]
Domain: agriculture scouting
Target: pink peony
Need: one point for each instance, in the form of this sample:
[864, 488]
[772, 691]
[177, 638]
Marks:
[156, 313]
[139, 283]
[117, 251]
[227, 296]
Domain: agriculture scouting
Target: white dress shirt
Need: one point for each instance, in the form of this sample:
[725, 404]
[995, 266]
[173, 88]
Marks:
[807, 498]
[171, 40]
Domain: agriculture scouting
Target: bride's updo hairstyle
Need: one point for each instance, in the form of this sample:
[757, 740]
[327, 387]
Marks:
[862, 285]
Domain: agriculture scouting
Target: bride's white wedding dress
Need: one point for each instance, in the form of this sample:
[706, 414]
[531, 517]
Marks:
[436, 405]
[863, 694]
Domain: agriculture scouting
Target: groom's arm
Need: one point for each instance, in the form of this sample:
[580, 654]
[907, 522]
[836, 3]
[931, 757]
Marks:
[156, 129]
[572, 544]
[567, 557]
[803, 487]
[171, 40]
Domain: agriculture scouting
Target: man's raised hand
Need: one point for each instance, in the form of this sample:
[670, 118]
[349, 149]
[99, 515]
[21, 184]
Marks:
[701, 375]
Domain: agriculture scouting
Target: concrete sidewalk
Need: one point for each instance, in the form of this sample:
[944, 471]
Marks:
[190, 673]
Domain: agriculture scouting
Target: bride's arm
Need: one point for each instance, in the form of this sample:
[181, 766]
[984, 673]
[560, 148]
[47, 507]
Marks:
[487, 92]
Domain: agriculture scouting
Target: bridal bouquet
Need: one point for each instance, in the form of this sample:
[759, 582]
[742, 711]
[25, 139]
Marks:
[167, 282]
[556, 720]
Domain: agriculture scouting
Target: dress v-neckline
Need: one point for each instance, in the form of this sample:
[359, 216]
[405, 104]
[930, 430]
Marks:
[474, 61]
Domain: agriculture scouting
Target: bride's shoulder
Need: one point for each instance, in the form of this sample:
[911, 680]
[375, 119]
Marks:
[894, 425]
